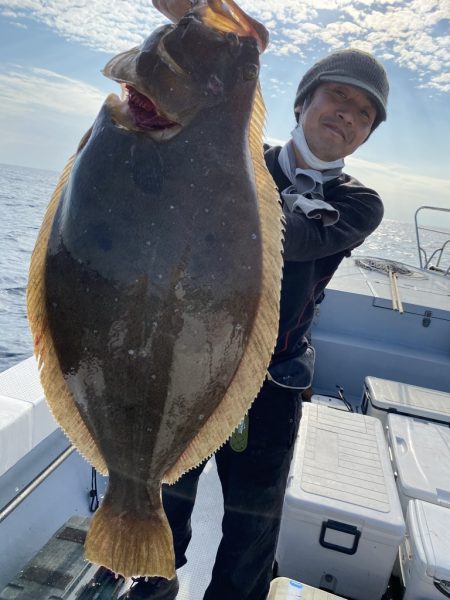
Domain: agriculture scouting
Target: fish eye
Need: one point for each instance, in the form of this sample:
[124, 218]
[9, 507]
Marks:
[232, 38]
[187, 20]
[250, 71]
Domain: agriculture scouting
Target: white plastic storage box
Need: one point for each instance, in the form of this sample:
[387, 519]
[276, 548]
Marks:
[381, 397]
[425, 553]
[25, 419]
[342, 523]
[15, 431]
[283, 588]
[421, 457]
[21, 384]
[330, 401]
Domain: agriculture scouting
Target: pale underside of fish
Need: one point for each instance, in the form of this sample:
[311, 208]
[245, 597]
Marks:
[153, 294]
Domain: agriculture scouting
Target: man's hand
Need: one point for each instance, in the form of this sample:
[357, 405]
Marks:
[173, 9]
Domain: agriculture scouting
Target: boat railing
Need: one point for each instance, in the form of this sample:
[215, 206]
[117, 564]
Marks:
[23, 494]
[431, 259]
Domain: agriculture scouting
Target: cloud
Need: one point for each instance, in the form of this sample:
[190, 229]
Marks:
[401, 174]
[408, 32]
[395, 183]
[24, 91]
[19, 25]
[402, 189]
[96, 23]
[44, 115]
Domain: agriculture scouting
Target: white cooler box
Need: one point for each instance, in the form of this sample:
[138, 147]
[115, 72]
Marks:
[425, 553]
[342, 523]
[381, 397]
[283, 588]
[330, 401]
[421, 457]
[25, 419]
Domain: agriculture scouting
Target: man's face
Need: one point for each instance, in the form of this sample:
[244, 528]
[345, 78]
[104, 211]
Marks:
[337, 120]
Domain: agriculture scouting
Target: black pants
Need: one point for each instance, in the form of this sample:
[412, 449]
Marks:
[253, 485]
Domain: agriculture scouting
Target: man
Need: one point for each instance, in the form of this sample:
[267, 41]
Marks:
[339, 102]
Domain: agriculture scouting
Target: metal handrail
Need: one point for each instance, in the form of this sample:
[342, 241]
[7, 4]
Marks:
[423, 258]
[6, 510]
[439, 252]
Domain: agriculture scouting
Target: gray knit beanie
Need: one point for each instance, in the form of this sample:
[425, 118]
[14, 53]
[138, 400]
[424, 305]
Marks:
[353, 67]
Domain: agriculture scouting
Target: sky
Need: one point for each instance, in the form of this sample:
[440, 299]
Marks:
[51, 85]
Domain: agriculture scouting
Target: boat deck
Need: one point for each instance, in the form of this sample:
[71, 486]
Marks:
[29, 441]
[370, 277]
[357, 331]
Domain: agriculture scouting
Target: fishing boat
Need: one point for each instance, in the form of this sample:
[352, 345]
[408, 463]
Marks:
[380, 319]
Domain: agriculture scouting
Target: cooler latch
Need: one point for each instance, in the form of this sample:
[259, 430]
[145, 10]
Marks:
[329, 539]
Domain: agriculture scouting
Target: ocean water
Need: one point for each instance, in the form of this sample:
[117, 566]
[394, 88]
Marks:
[24, 195]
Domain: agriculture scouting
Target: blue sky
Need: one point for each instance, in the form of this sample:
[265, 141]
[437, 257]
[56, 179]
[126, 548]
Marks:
[51, 86]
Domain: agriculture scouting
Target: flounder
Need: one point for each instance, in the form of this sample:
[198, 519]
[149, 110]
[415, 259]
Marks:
[154, 285]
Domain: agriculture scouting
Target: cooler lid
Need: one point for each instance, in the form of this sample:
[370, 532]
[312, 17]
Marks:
[411, 399]
[421, 452]
[341, 468]
[429, 526]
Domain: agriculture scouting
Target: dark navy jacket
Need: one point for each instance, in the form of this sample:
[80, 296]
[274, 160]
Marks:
[312, 253]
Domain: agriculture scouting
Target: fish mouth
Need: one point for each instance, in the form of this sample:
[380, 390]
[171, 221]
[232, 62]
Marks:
[144, 112]
[136, 112]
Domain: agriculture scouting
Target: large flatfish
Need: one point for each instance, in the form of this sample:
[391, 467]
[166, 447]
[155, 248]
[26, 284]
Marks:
[154, 284]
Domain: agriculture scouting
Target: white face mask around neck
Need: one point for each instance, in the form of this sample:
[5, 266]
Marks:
[298, 137]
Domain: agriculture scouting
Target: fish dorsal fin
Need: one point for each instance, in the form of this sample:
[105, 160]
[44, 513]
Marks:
[227, 16]
[252, 368]
[57, 394]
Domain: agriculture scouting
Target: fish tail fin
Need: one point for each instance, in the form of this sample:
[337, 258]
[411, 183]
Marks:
[131, 546]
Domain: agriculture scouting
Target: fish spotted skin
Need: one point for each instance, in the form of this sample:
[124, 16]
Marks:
[153, 280]
[154, 285]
